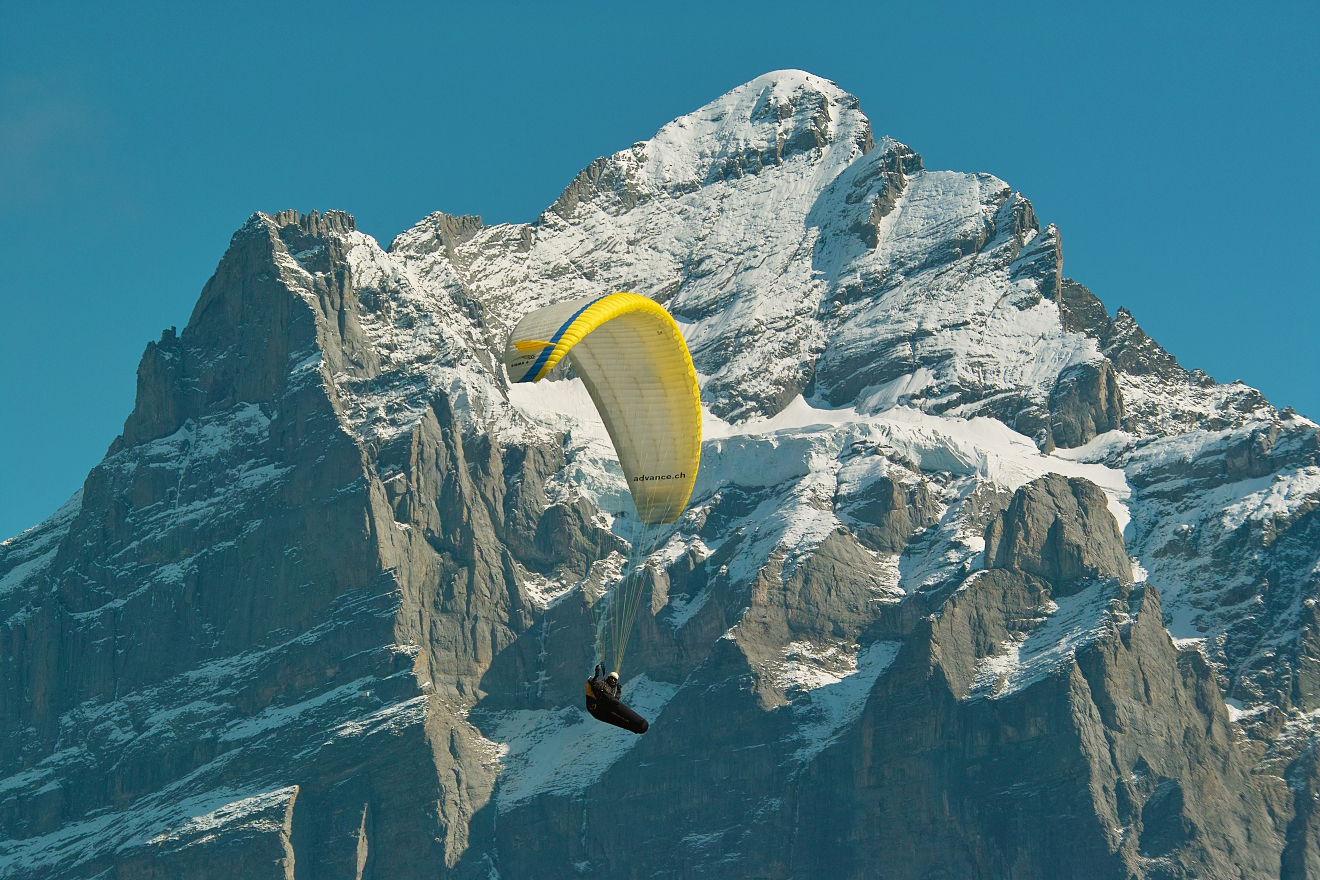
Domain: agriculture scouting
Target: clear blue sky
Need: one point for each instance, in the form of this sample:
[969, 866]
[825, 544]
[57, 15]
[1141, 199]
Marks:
[1175, 146]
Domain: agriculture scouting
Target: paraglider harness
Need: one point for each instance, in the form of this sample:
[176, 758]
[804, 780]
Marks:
[604, 704]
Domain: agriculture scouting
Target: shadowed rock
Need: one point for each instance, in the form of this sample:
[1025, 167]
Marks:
[889, 512]
[1086, 401]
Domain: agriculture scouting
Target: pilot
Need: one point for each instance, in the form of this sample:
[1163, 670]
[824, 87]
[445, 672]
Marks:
[610, 687]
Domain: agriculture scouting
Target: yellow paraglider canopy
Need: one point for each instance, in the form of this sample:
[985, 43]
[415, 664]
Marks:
[632, 358]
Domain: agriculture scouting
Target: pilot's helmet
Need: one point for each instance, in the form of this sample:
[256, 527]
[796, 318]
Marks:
[612, 678]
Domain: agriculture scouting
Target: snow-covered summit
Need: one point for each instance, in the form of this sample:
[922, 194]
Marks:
[804, 258]
[756, 125]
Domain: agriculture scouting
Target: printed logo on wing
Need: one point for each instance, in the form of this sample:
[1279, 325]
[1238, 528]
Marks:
[643, 478]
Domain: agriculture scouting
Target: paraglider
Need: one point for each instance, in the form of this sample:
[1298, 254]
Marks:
[631, 356]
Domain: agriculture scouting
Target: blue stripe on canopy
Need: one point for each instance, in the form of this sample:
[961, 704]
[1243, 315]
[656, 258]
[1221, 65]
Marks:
[530, 375]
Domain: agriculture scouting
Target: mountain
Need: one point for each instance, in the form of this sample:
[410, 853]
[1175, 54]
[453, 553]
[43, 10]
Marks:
[976, 581]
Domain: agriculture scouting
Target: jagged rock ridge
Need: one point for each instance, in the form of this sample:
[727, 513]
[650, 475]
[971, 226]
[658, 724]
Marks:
[321, 609]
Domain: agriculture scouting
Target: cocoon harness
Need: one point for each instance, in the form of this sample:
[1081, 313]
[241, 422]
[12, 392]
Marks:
[605, 708]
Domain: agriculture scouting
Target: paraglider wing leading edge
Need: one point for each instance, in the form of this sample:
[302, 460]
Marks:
[634, 363]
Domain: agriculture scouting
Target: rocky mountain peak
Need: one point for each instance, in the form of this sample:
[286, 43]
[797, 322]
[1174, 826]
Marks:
[325, 608]
[438, 230]
[316, 223]
[762, 124]
[757, 125]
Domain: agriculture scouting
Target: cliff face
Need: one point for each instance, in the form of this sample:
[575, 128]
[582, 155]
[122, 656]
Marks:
[322, 609]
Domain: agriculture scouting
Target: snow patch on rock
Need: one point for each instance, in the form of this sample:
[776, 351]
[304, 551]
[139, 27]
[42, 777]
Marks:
[563, 751]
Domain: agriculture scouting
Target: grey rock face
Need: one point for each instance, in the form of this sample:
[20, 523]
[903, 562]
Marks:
[1060, 529]
[1245, 575]
[1081, 311]
[1128, 346]
[974, 766]
[268, 566]
[890, 511]
[1086, 401]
